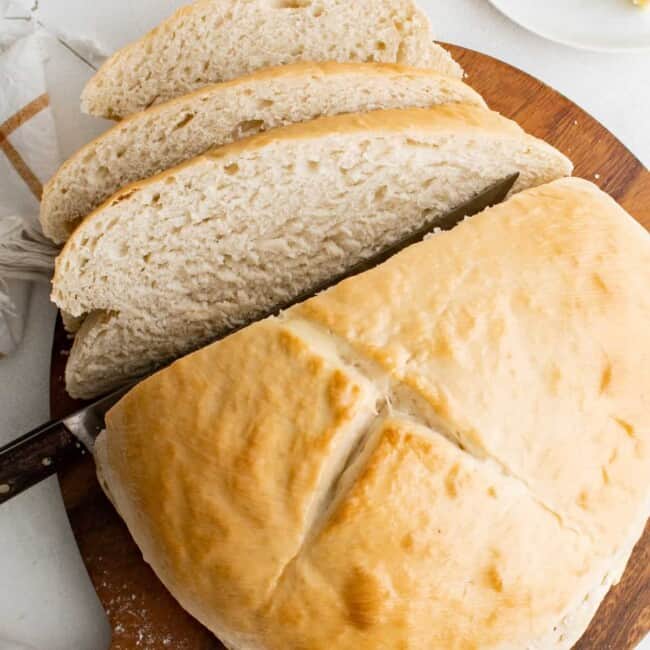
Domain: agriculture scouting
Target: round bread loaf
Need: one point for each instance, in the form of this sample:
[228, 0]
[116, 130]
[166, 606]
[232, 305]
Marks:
[449, 451]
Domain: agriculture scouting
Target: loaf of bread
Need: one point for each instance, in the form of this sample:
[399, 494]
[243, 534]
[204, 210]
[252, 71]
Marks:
[168, 263]
[450, 451]
[217, 40]
[166, 135]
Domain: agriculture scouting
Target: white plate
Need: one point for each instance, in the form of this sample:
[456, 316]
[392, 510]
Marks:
[605, 25]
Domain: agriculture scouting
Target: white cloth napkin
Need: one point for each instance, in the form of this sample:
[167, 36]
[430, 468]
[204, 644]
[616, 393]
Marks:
[29, 155]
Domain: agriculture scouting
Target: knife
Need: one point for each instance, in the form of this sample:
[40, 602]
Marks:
[53, 445]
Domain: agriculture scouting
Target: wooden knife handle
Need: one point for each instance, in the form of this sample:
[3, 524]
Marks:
[35, 456]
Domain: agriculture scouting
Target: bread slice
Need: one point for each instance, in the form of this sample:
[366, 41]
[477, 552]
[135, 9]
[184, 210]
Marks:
[313, 481]
[168, 263]
[166, 135]
[217, 40]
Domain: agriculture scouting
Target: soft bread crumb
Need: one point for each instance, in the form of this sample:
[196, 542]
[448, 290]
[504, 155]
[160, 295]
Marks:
[166, 135]
[217, 40]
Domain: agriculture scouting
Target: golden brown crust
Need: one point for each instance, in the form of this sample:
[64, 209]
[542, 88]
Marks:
[524, 330]
[434, 573]
[238, 475]
[510, 329]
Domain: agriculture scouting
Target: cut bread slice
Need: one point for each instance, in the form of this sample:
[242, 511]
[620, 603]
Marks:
[217, 40]
[168, 263]
[163, 136]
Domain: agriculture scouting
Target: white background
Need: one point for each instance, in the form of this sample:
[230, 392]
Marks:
[46, 600]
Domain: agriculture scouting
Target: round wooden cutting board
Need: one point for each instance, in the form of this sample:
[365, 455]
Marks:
[141, 611]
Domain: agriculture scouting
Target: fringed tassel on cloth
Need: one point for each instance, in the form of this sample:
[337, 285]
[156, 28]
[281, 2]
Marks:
[25, 253]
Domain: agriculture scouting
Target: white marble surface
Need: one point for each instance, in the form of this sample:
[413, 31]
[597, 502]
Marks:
[46, 600]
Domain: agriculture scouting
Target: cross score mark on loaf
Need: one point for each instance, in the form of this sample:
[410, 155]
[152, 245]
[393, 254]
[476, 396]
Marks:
[345, 449]
[458, 358]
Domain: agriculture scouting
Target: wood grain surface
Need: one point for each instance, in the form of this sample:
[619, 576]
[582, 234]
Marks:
[141, 611]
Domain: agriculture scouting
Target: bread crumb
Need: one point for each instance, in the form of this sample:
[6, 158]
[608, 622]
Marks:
[132, 620]
[596, 176]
